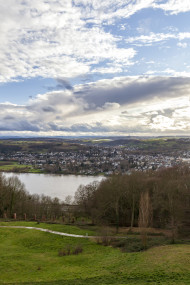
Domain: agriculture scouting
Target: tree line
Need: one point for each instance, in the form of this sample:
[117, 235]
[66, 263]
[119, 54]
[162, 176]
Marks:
[159, 199]
[15, 200]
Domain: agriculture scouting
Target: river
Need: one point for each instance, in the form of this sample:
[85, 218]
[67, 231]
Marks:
[53, 185]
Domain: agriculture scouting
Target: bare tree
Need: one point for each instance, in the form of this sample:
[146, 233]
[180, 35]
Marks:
[145, 215]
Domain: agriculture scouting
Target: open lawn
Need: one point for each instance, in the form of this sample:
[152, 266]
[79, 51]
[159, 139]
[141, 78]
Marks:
[9, 166]
[13, 166]
[31, 257]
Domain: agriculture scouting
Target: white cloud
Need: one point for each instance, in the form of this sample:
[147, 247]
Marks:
[184, 35]
[108, 10]
[104, 70]
[174, 6]
[51, 39]
[150, 38]
[153, 38]
[183, 45]
[162, 122]
[64, 38]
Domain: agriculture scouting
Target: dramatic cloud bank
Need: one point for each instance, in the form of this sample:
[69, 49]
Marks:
[123, 105]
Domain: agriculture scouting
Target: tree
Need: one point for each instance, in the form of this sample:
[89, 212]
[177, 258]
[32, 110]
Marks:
[108, 199]
[84, 197]
[145, 210]
[134, 187]
[15, 189]
[171, 197]
[3, 195]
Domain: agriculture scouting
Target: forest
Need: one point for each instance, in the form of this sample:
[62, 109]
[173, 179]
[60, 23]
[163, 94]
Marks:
[158, 199]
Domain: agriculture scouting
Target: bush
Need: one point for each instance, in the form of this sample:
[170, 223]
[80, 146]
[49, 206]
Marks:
[130, 244]
[69, 250]
[105, 237]
[104, 240]
[135, 244]
[78, 249]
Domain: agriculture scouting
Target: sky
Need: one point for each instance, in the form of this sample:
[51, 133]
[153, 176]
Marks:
[94, 68]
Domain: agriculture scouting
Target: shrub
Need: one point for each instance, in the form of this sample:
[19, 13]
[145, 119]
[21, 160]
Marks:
[104, 240]
[134, 244]
[78, 249]
[69, 250]
[105, 237]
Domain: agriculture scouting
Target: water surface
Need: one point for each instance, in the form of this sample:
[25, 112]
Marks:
[53, 185]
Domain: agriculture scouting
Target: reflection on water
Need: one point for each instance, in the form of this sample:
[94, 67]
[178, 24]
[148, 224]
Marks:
[52, 184]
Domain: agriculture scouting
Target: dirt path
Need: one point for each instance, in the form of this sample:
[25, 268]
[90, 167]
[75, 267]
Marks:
[49, 231]
[124, 231]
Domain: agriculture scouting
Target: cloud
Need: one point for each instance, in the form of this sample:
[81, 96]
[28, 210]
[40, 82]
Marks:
[64, 83]
[129, 90]
[8, 118]
[174, 6]
[111, 69]
[53, 39]
[48, 109]
[153, 38]
[21, 125]
[150, 38]
[138, 105]
[67, 39]
[109, 106]
[107, 11]
[71, 40]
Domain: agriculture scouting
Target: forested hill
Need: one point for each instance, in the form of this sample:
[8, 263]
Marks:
[134, 144]
[159, 145]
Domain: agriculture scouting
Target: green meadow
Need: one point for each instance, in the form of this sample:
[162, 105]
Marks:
[32, 257]
[12, 166]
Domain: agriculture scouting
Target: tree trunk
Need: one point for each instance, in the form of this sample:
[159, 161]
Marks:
[117, 216]
[133, 212]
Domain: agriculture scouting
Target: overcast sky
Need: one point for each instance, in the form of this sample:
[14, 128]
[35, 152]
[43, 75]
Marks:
[94, 67]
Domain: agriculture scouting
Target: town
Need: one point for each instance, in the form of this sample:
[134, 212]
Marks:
[96, 159]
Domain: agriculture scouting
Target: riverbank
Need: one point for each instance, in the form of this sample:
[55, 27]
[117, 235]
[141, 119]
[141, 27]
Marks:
[8, 166]
[14, 166]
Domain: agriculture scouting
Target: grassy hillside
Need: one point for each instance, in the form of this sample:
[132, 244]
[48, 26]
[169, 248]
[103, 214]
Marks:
[31, 257]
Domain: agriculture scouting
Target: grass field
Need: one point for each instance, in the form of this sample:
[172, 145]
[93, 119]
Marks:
[31, 257]
[13, 166]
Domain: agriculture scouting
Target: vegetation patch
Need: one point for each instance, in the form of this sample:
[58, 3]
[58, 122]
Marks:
[69, 250]
[135, 244]
[14, 166]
